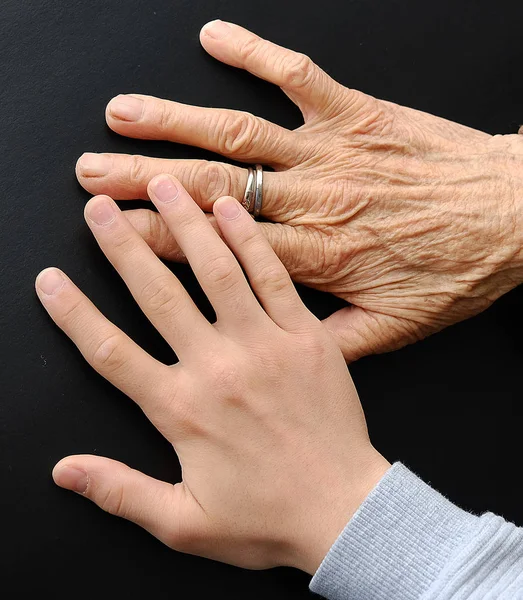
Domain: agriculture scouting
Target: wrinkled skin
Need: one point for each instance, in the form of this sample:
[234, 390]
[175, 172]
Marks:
[413, 220]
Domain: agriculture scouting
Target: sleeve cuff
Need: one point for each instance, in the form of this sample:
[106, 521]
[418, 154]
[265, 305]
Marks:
[395, 544]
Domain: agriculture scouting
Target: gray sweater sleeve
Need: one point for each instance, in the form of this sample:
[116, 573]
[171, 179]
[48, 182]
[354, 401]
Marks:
[408, 542]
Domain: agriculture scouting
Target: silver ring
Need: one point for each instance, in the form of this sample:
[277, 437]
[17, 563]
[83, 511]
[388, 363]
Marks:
[258, 192]
[248, 196]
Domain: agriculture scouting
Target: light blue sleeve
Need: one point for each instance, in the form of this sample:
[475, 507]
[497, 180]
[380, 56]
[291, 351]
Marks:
[407, 541]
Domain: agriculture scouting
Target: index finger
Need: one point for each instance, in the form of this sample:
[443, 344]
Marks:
[296, 74]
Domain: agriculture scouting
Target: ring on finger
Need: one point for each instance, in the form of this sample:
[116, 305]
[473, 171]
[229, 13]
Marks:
[253, 195]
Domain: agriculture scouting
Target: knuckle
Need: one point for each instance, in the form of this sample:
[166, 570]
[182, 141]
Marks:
[385, 120]
[249, 48]
[250, 240]
[138, 171]
[112, 501]
[375, 118]
[156, 234]
[123, 243]
[238, 134]
[331, 255]
[220, 273]
[298, 71]
[179, 410]
[273, 278]
[71, 313]
[158, 296]
[188, 421]
[151, 227]
[106, 356]
[226, 375]
[215, 180]
[164, 116]
[316, 347]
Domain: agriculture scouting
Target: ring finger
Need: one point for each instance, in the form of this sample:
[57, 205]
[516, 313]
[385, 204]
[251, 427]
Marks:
[125, 177]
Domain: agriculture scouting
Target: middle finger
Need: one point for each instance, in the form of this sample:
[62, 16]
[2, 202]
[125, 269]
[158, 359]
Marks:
[232, 133]
[213, 263]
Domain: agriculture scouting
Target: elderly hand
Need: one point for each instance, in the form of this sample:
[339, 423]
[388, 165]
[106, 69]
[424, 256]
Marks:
[412, 219]
[272, 471]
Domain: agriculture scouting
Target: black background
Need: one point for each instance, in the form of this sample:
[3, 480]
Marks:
[449, 407]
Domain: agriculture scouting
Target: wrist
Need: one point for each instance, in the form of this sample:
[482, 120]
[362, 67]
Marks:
[337, 506]
[397, 544]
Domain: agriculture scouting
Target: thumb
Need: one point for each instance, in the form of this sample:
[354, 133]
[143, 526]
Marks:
[164, 510]
[360, 332]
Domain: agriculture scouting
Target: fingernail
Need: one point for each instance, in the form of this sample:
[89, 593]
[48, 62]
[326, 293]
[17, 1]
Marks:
[93, 165]
[102, 212]
[229, 208]
[126, 108]
[72, 479]
[50, 281]
[217, 29]
[166, 190]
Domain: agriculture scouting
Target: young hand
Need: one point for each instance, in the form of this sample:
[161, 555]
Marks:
[260, 408]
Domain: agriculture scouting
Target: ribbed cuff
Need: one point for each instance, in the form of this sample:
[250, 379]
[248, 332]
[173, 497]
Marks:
[396, 543]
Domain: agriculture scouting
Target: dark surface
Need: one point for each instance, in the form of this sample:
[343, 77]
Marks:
[449, 407]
